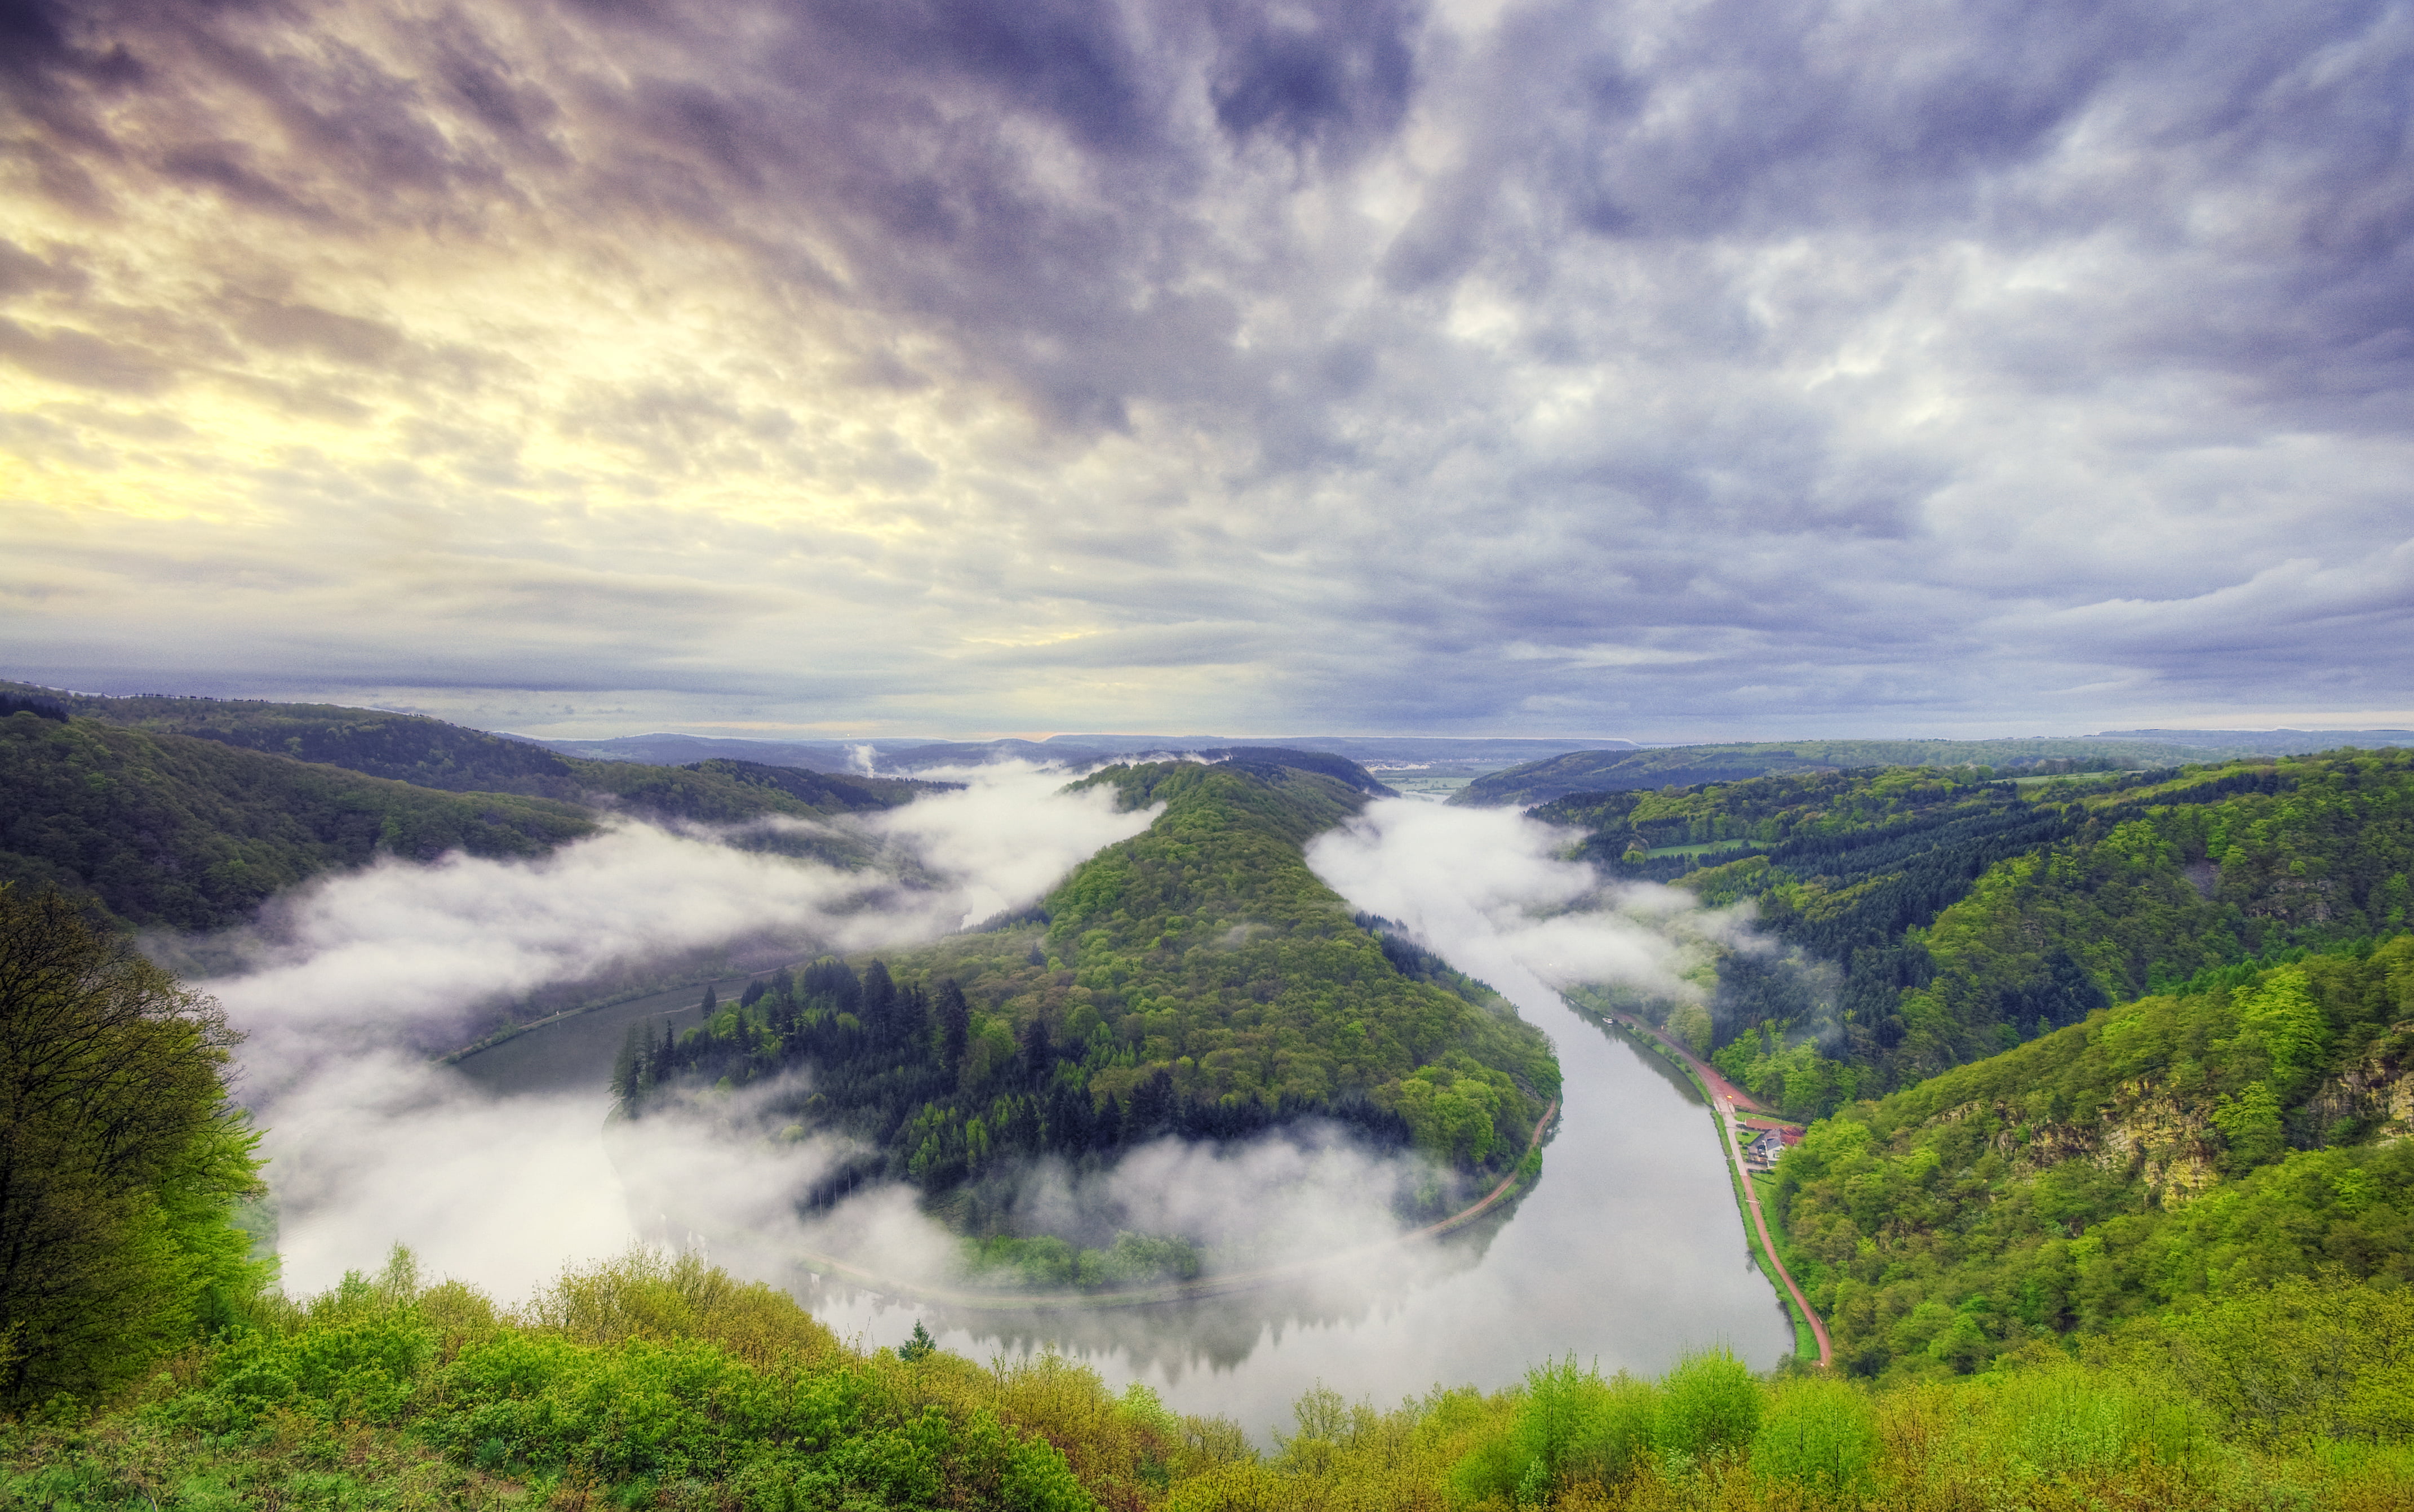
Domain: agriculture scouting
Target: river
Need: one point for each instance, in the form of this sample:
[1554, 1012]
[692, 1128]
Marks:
[1627, 1252]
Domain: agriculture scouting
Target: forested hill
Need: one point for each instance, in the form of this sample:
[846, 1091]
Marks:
[1945, 918]
[1195, 979]
[430, 753]
[2193, 1145]
[1608, 771]
[167, 829]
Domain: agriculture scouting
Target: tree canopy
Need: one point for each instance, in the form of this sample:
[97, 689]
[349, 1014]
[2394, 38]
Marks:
[121, 1159]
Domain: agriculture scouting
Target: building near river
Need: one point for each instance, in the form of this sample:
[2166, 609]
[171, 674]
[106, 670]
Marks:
[1761, 1146]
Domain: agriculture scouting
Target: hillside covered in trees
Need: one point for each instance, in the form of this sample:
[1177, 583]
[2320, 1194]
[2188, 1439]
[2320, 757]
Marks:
[1935, 917]
[1617, 771]
[2196, 1144]
[430, 753]
[195, 831]
[1195, 980]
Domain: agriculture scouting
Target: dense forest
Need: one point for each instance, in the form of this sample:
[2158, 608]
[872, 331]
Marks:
[2192, 1145]
[430, 753]
[1195, 980]
[194, 835]
[1933, 917]
[1608, 771]
[194, 832]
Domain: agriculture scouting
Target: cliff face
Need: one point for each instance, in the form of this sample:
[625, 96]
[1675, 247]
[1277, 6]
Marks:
[2144, 1135]
[2376, 1093]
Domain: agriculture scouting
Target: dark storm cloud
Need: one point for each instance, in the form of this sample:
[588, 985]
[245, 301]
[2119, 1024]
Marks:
[1570, 367]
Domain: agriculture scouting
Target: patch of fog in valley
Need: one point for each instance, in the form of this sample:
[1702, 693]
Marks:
[346, 988]
[1629, 1250]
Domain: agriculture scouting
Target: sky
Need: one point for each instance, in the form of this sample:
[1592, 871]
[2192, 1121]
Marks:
[1672, 371]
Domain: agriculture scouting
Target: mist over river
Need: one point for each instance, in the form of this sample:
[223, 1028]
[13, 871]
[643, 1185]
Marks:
[1628, 1250]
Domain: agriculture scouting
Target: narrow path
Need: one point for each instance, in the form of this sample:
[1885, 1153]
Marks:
[1180, 1291]
[1725, 1097]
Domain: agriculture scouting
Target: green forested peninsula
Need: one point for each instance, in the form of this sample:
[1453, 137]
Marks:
[1605, 771]
[195, 831]
[1944, 917]
[1196, 979]
[2196, 1144]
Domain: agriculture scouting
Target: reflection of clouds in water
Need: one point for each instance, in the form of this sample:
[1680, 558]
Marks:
[1310, 1203]
[368, 1144]
[1272, 1200]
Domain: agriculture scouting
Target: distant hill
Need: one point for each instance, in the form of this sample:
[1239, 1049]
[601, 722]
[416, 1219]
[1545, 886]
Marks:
[683, 750]
[1449, 754]
[1586, 771]
[1944, 917]
[430, 753]
[1454, 755]
[169, 830]
[921, 758]
[2268, 742]
[1196, 979]
[188, 812]
[406, 748]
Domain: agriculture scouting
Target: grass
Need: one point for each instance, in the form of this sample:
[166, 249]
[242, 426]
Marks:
[1806, 1344]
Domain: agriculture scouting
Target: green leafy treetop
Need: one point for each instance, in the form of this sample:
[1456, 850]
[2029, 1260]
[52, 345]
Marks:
[121, 1159]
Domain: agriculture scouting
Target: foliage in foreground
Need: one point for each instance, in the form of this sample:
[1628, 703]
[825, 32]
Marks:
[659, 1382]
[121, 1160]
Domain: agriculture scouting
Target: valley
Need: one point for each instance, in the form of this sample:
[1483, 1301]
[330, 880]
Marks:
[1249, 1086]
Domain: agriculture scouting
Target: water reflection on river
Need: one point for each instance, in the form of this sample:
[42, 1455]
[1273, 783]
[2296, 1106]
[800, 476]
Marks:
[1628, 1250]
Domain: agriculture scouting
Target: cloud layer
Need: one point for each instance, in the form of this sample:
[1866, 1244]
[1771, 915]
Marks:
[346, 991]
[1657, 369]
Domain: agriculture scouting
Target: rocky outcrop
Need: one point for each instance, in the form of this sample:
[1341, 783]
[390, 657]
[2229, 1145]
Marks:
[2166, 1146]
[2377, 1089]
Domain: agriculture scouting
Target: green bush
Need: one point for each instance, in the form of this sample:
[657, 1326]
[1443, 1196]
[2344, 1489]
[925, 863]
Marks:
[1708, 1405]
[1571, 1428]
[1819, 1433]
[2064, 1419]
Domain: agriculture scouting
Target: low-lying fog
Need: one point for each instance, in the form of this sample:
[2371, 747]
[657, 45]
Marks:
[347, 989]
[1629, 1250]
